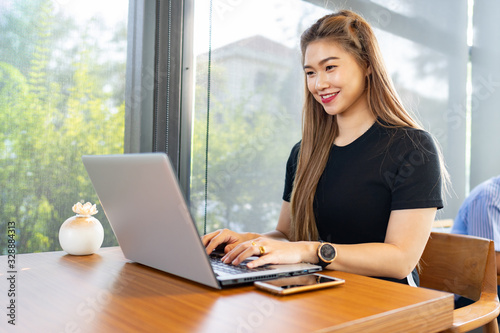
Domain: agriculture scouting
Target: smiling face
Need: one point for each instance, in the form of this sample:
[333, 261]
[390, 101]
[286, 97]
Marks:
[335, 79]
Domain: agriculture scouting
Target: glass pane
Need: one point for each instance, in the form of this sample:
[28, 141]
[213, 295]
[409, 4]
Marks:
[485, 99]
[255, 94]
[62, 80]
[256, 91]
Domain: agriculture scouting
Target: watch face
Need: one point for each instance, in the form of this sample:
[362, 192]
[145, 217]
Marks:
[327, 252]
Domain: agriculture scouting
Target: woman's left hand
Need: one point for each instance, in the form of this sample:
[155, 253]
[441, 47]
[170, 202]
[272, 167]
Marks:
[271, 251]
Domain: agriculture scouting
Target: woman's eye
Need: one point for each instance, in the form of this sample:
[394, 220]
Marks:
[330, 67]
[309, 73]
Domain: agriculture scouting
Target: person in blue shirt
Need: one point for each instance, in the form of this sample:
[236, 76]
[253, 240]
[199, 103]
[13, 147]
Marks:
[479, 216]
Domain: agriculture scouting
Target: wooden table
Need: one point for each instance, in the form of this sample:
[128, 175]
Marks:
[104, 292]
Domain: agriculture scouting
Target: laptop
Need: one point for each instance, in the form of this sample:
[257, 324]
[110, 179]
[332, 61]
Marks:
[148, 213]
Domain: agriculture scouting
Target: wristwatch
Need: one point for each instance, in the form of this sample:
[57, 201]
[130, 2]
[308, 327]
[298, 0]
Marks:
[326, 254]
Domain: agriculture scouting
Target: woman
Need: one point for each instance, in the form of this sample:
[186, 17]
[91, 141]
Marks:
[363, 185]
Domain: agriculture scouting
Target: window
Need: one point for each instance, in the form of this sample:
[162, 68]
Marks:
[249, 81]
[62, 81]
[485, 93]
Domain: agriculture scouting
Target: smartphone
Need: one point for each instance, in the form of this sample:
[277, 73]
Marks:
[296, 284]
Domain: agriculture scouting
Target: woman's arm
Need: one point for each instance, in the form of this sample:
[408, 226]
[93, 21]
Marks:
[407, 235]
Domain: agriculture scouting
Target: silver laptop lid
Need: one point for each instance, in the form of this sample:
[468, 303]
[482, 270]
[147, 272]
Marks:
[139, 194]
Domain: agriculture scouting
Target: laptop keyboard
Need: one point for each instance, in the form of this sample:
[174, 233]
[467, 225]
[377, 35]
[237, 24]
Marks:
[219, 266]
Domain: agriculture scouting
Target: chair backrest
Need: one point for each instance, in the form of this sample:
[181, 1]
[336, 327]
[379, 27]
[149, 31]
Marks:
[463, 265]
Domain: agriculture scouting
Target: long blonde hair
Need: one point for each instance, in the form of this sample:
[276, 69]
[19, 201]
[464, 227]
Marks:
[319, 129]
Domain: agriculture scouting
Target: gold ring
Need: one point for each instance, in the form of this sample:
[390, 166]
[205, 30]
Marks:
[253, 244]
[262, 250]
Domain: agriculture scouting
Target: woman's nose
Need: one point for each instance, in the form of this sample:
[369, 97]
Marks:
[321, 81]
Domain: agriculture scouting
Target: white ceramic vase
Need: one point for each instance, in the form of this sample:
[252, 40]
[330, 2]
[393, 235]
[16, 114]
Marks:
[81, 235]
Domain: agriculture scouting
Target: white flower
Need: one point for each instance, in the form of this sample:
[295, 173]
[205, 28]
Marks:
[86, 209]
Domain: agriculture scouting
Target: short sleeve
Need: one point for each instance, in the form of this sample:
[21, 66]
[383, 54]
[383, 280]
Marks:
[417, 181]
[291, 168]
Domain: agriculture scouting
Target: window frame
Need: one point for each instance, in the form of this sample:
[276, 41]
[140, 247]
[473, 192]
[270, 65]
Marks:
[159, 74]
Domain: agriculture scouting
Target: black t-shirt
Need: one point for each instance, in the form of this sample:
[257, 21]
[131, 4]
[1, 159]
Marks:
[385, 169]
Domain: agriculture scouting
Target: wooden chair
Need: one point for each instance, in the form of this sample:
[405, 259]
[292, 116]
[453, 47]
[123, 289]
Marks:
[466, 266]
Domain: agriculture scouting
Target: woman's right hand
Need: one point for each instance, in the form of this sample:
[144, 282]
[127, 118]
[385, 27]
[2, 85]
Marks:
[225, 236]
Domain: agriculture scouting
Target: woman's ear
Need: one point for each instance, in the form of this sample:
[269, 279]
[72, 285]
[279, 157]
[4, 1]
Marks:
[368, 70]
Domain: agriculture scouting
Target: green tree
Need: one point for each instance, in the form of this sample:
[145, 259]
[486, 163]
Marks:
[45, 129]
